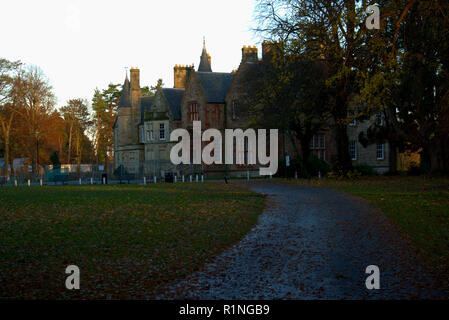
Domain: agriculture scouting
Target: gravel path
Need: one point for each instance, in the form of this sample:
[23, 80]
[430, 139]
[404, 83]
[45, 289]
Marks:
[311, 243]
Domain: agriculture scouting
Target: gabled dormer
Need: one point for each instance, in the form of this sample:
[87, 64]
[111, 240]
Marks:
[162, 117]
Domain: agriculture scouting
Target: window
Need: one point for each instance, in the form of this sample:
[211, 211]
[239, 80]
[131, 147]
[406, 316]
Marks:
[193, 112]
[379, 119]
[161, 131]
[351, 114]
[353, 149]
[142, 134]
[235, 106]
[318, 146]
[380, 151]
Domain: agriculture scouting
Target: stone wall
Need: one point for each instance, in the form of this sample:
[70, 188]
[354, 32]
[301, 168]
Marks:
[368, 155]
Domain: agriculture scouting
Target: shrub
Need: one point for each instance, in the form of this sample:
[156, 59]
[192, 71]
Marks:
[414, 170]
[365, 169]
[315, 166]
[54, 158]
[295, 166]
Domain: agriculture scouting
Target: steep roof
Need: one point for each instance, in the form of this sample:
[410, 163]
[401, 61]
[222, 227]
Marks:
[215, 85]
[125, 97]
[204, 60]
[145, 105]
[174, 97]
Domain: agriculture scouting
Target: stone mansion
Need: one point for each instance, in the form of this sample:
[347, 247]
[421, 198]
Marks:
[144, 123]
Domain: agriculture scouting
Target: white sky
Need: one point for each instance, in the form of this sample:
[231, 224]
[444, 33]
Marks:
[81, 45]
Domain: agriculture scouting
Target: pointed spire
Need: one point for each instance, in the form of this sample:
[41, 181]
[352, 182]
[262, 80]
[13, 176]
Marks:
[205, 65]
[125, 98]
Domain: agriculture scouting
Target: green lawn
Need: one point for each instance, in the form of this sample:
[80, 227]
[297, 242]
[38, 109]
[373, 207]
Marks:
[418, 206]
[128, 241]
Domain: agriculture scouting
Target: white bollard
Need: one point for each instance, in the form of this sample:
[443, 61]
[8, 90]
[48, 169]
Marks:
[29, 183]
[183, 180]
[41, 182]
[176, 179]
[15, 182]
[154, 179]
[91, 180]
[104, 180]
[144, 181]
[190, 178]
[80, 181]
[202, 178]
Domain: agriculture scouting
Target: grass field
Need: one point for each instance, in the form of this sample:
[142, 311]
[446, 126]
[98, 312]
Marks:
[128, 241]
[418, 206]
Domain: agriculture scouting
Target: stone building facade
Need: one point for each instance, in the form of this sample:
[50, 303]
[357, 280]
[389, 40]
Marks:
[143, 124]
[376, 155]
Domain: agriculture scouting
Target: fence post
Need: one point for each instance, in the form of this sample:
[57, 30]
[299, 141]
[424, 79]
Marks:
[183, 180]
[202, 178]
[144, 180]
[15, 182]
[104, 180]
[29, 183]
[196, 178]
[91, 180]
[80, 181]
[296, 175]
[176, 178]
[247, 175]
[41, 182]
[155, 179]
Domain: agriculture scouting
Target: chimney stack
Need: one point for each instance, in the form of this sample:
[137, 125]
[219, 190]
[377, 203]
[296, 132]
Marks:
[181, 75]
[267, 47]
[249, 54]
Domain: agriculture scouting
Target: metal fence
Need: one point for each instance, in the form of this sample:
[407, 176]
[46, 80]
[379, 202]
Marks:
[149, 172]
[46, 174]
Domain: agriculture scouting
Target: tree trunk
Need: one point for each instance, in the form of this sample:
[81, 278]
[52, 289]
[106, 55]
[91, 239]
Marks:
[340, 113]
[7, 154]
[78, 153]
[393, 158]
[98, 136]
[70, 144]
[343, 158]
[6, 131]
[438, 158]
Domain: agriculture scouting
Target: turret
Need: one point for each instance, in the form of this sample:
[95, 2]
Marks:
[124, 116]
[205, 60]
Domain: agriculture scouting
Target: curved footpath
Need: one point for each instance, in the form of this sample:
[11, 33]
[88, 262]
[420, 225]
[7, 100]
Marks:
[311, 243]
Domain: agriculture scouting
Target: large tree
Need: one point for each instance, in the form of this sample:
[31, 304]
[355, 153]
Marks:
[9, 71]
[409, 81]
[288, 92]
[104, 105]
[78, 119]
[34, 102]
[334, 31]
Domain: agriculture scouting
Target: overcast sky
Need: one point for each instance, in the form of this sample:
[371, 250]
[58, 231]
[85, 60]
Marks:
[81, 45]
